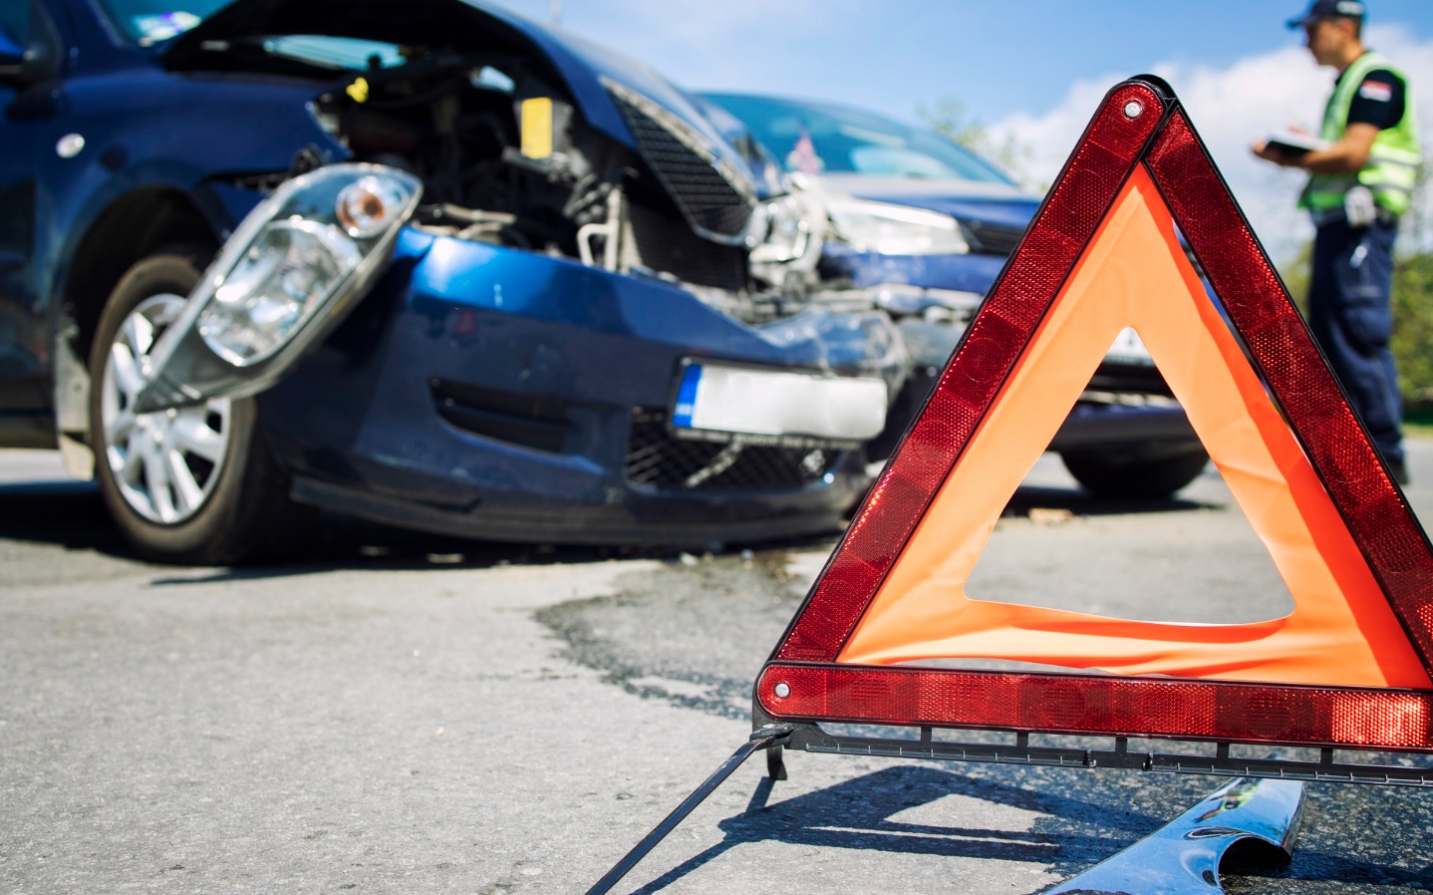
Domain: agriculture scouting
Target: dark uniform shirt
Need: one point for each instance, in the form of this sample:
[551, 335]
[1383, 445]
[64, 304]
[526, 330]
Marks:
[1379, 100]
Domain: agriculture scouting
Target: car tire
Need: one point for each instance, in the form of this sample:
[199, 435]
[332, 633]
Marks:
[1144, 473]
[193, 485]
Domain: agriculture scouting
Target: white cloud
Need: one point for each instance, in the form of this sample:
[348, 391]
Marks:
[1231, 107]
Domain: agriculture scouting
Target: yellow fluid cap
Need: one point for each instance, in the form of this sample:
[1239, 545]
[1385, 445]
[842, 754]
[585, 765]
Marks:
[537, 127]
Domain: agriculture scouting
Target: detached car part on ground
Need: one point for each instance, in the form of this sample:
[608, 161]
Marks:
[463, 275]
[906, 206]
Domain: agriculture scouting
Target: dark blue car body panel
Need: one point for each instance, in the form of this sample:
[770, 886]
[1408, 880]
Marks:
[357, 424]
[144, 129]
[516, 322]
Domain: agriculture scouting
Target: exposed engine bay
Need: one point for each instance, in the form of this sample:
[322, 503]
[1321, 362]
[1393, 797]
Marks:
[507, 159]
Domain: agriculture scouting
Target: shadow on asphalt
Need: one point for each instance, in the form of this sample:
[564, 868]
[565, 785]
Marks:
[72, 515]
[1081, 503]
[862, 814]
[859, 814]
[68, 514]
[1316, 866]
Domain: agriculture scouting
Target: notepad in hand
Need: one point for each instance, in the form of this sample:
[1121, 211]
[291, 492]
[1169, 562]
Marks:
[1294, 145]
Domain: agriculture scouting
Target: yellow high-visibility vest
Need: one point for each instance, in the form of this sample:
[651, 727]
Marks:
[1393, 163]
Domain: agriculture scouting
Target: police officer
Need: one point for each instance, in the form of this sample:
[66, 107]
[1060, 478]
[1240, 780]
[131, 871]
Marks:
[1358, 186]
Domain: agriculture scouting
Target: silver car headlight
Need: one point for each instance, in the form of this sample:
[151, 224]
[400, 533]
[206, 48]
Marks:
[284, 280]
[786, 236]
[275, 288]
[780, 231]
[889, 229]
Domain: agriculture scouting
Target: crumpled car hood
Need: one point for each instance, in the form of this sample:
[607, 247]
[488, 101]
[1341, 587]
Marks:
[580, 65]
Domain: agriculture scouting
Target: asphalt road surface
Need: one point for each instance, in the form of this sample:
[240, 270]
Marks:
[401, 713]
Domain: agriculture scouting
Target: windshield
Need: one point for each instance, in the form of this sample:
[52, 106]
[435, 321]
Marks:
[149, 22]
[815, 138]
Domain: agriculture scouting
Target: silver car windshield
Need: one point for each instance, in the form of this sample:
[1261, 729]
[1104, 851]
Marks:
[154, 21]
[817, 138]
[149, 22]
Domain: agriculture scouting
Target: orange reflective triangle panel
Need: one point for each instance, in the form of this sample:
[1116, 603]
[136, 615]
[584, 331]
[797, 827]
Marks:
[1350, 666]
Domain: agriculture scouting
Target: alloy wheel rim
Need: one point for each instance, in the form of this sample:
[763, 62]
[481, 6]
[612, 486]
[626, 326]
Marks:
[165, 464]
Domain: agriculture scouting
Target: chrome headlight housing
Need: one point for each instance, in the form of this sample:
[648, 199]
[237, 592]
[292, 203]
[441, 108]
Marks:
[285, 279]
[277, 285]
[781, 231]
[786, 235]
[890, 229]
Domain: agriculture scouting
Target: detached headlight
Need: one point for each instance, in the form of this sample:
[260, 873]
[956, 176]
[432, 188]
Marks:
[285, 279]
[896, 229]
[278, 284]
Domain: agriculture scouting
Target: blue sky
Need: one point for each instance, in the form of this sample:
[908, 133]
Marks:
[997, 57]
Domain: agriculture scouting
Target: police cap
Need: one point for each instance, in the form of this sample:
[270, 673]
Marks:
[1322, 9]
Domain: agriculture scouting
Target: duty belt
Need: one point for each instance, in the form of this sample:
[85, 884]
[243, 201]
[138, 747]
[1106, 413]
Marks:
[1338, 216]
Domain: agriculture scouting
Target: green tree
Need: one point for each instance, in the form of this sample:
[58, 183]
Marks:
[1296, 273]
[952, 120]
[1413, 325]
[1412, 303]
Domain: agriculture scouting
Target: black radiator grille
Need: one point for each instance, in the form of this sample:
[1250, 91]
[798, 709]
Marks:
[993, 239]
[656, 459]
[664, 242]
[707, 197]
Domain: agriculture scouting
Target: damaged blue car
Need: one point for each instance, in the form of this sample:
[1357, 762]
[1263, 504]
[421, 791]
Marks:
[422, 262]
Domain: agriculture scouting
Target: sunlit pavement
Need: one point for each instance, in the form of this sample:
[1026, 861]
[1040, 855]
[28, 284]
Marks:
[399, 713]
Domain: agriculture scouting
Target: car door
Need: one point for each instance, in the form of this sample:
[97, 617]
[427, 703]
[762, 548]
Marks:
[24, 333]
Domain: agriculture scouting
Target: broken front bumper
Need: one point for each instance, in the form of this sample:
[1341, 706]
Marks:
[507, 395]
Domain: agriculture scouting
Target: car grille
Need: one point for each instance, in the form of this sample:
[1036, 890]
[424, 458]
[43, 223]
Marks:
[664, 243]
[993, 239]
[658, 460]
[708, 191]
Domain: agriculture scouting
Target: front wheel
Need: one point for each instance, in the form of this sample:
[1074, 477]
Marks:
[1146, 473]
[191, 484]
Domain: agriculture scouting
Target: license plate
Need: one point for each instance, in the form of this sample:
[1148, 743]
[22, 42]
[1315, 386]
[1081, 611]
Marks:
[776, 406]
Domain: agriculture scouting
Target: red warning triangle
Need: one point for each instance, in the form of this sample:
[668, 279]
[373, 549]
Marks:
[1350, 666]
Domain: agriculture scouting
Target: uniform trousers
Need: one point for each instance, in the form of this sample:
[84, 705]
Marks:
[1351, 319]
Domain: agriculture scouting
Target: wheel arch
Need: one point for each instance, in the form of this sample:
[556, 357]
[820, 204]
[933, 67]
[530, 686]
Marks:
[133, 226]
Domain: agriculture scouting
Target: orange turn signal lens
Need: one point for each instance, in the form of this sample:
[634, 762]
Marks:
[366, 207]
